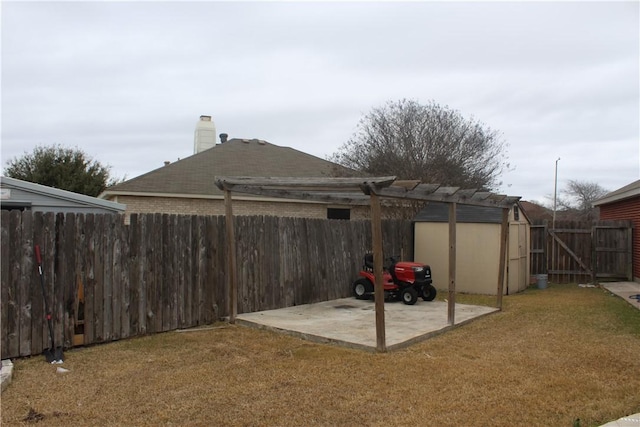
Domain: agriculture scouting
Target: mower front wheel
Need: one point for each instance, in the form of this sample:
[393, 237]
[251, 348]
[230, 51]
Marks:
[409, 296]
[428, 292]
[362, 288]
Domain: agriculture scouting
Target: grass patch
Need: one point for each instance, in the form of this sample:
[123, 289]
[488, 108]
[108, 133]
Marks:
[551, 356]
[473, 299]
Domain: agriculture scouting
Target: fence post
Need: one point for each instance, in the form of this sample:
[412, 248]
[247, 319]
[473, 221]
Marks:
[231, 258]
[376, 236]
[594, 253]
[504, 239]
[451, 306]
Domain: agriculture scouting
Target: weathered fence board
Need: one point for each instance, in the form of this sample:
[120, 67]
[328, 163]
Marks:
[200, 269]
[185, 282]
[69, 284]
[25, 282]
[36, 334]
[613, 249]
[166, 277]
[222, 292]
[89, 278]
[135, 279]
[125, 276]
[13, 286]
[106, 280]
[109, 295]
[5, 238]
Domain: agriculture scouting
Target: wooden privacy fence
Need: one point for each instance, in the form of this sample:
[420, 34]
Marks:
[582, 251]
[106, 280]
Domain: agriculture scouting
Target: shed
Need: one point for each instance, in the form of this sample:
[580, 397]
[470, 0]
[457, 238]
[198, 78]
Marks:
[478, 233]
[24, 195]
[624, 204]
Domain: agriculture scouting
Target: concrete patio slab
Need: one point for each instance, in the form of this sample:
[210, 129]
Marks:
[350, 322]
[628, 421]
[625, 290]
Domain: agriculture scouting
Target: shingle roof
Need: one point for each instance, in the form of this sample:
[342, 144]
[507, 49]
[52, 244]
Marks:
[236, 157]
[439, 212]
[625, 192]
[535, 211]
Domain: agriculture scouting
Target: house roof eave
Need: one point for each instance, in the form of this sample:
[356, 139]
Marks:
[57, 193]
[626, 192]
[239, 197]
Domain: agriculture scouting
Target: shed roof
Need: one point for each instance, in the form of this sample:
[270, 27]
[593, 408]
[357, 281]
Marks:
[61, 197]
[439, 212]
[626, 192]
[246, 157]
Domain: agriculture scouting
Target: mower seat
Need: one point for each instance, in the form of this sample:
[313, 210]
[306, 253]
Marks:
[368, 261]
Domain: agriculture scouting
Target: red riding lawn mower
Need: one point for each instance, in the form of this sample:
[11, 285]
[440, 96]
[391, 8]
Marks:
[401, 280]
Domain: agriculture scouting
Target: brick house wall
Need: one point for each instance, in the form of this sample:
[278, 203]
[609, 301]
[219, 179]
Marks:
[199, 206]
[628, 209]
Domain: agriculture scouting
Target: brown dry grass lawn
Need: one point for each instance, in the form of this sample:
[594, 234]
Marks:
[550, 357]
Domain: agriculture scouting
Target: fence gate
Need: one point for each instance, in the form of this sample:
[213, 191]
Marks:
[612, 251]
[582, 251]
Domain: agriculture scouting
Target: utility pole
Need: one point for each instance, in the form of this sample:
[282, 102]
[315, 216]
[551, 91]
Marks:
[553, 223]
[555, 196]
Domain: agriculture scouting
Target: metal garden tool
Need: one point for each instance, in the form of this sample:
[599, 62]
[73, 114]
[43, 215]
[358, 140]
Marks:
[53, 354]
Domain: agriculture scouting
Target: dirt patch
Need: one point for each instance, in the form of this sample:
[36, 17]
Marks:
[33, 416]
[345, 307]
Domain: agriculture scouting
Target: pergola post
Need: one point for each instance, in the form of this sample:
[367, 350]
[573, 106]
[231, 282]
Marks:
[232, 285]
[378, 287]
[504, 237]
[350, 191]
[451, 308]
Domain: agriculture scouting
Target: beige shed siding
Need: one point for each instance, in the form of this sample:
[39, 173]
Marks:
[478, 255]
[197, 206]
[477, 249]
[519, 266]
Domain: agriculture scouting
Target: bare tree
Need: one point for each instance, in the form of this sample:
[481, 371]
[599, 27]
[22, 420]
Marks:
[580, 195]
[576, 200]
[431, 143]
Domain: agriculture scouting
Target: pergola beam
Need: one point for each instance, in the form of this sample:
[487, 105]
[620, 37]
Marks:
[351, 190]
[364, 191]
[224, 183]
[351, 198]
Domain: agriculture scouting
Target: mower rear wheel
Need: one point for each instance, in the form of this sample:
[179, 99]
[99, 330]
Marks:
[428, 292]
[362, 288]
[409, 296]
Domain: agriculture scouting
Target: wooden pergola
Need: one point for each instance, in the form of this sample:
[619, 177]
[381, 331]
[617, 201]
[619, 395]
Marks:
[366, 191]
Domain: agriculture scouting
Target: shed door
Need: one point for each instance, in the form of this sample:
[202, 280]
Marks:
[517, 277]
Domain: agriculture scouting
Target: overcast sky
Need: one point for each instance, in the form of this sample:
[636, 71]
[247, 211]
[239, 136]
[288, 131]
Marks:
[127, 81]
